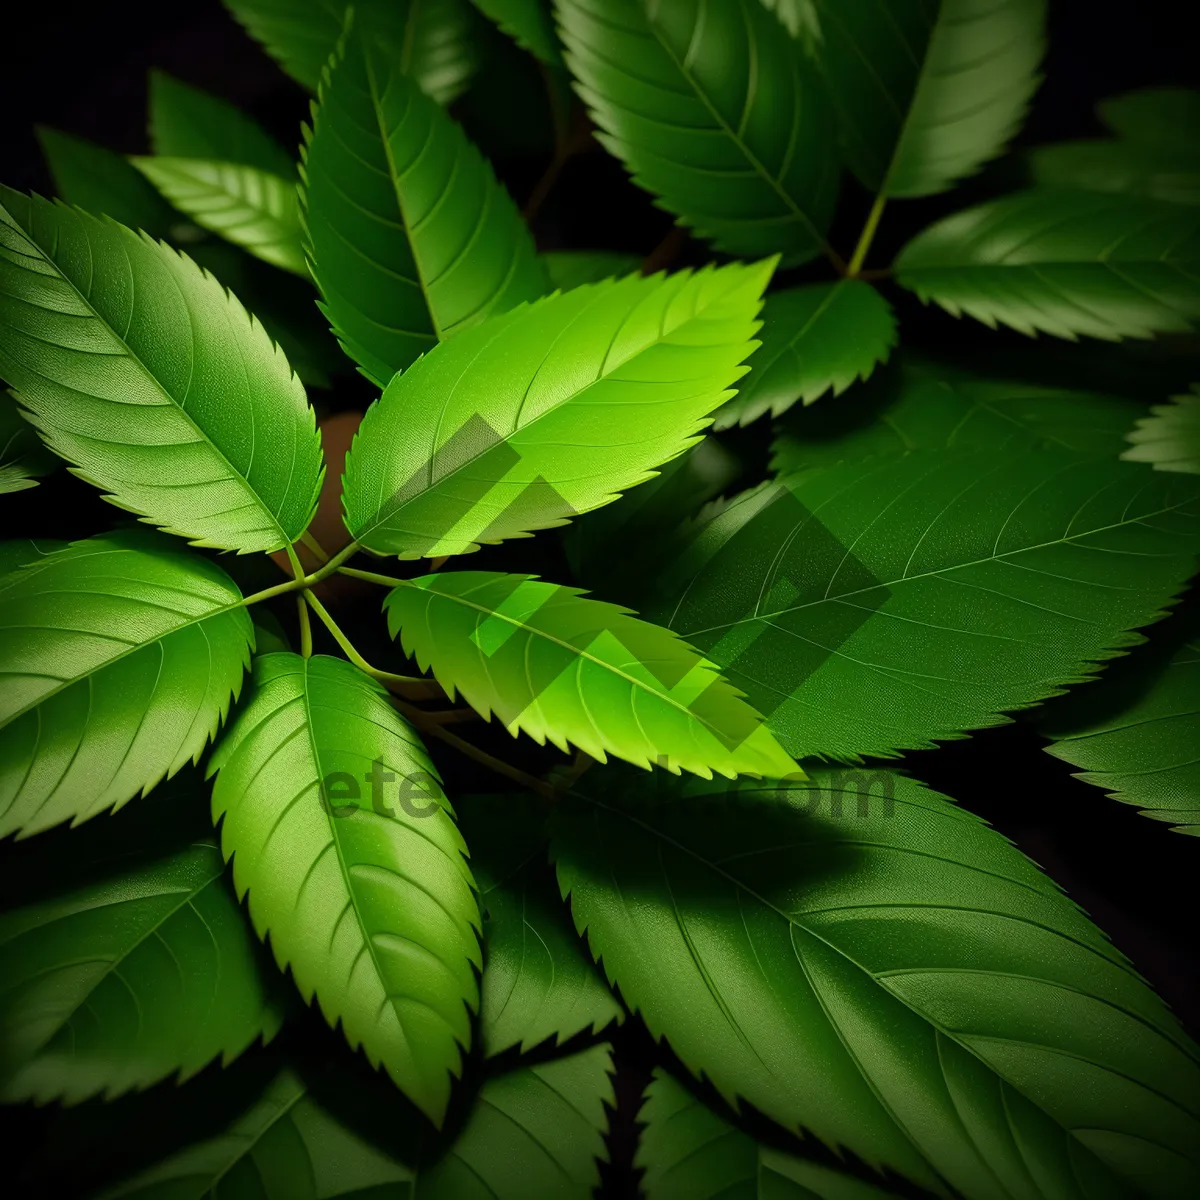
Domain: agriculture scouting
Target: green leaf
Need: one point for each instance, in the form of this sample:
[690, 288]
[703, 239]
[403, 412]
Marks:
[814, 338]
[1129, 168]
[104, 183]
[567, 269]
[428, 39]
[269, 636]
[186, 122]
[146, 374]
[411, 237]
[120, 657]
[532, 1132]
[714, 112]
[919, 407]
[1135, 730]
[529, 23]
[372, 907]
[524, 422]
[889, 604]
[570, 670]
[1065, 263]
[17, 553]
[690, 1153]
[22, 455]
[253, 209]
[1164, 116]
[928, 95]
[134, 965]
[798, 17]
[538, 980]
[1170, 438]
[889, 974]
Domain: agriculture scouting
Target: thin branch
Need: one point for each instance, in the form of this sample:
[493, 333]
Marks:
[314, 547]
[349, 650]
[306, 647]
[866, 237]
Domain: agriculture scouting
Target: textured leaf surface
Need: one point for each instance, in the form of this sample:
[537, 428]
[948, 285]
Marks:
[1166, 116]
[888, 604]
[1170, 438]
[690, 1153]
[893, 977]
[22, 456]
[430, 39]
[814, 338]
[371, 906]
[535, 1131]
[927, 91]
[918, 407]
[151, 379]
[525, 422]
[135, 965]
[1162, 172]
[19, 551]
[538, 980]
[186, 122]
[254, 209]
[1135, 731]
[411, 237]
[1065, 263]
[120, 657]
[567, 269]
[529, 23]
[714, 112]
[563, 668]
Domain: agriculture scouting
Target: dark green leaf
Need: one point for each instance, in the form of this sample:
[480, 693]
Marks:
[411, 237]
[428, 39]
[524, 422]
[1170, 438]
[22, 456]
[269, 636]
[143, 372]
[887, 973]
[889, 604]
[529, 23]
[1130, 168]
[371, 906]
[1164, 116]
[20, 551]
[567, 269]
[254, 209]
[714, 112]
[817, 337]
[798, 17]
[120, 657]
[538, 979]
[574, 671]
[1065, 263]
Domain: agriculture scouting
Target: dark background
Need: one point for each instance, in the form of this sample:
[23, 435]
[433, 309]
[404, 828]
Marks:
[81, 67]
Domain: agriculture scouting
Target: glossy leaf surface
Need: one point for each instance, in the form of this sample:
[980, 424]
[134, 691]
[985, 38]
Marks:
[1169, 439]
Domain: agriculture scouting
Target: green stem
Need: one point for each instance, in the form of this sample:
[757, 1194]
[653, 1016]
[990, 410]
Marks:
[305, 628]
[387, 581]
[310, 543]
[348, 647]
[866, 237]
[304, 581]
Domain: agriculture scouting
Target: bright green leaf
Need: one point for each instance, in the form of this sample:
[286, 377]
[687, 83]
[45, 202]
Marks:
[251, 208]
[714, 112]
[1170, 438]
[567, 269]
[1065, 263]
[525, 421]
[563, 668]
[1165, 116]
[885, 972]
[928, 90]
[143, 372]
[690, 1153]
[538, 979]
[186, 122]
[22, 455]
[411, 237]
[364, 890]
[892, 603]
[814, 338]
[529, 23]
[1130, 168]
[20, 551]
[120, 657]
[134, 965]
[429, 39]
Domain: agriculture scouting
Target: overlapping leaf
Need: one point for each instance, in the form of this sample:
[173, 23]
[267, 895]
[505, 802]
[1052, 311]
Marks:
[1065, 263]
[690, 1153]
[1154, 116]
[1130, 168]
[714, 112]
[888, 604]
[364, 891]
[1169, 439]
[22, 456]
[151, 379]
[574, 671]
[814, 338]
[411, 237]
[525, 422]
[429, 39]
[120, 657]
[20, 551]
[538, 979]
[567, 269]
[529, 23]
[131, 966]
[926, 91]
[887, 973]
